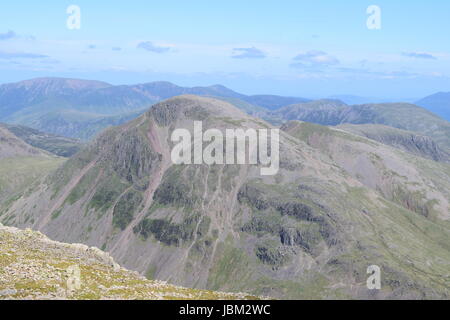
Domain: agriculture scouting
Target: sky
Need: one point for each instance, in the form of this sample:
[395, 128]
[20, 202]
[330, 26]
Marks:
[393, 49]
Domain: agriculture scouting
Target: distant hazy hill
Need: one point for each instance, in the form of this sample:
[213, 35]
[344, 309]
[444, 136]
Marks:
[273, 102]
[399, 115]
[165, 90]
[325, 112]
[438, 103]
[20, 95]
[339, 203]
[351, 99]
[61, 146]
[81, 108]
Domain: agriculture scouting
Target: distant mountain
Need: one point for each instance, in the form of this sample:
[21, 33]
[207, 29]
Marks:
[438, 103]
[245, 106]
[61, 146]
[80, 125]
[20, 95]
[398, 115]
[338, 203]
[411, 142]
[82, 108]
[165, 90]
[352, 99]
[272, 102]
[325, 112]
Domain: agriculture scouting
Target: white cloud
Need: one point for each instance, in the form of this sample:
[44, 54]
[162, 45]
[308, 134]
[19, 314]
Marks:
[149, 46]
[315, 58]
[248, 53]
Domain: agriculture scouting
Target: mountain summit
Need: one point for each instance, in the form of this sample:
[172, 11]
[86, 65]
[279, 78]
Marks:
[310, 231]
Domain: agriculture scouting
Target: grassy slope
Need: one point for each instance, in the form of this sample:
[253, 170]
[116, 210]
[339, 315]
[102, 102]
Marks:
[61, 146]
[19, 173]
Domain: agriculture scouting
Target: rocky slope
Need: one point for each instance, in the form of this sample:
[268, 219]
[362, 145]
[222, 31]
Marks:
[310, 231]
[34, 267]
[416, 184]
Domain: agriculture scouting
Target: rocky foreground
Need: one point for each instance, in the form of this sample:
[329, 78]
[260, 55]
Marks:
[33, 267]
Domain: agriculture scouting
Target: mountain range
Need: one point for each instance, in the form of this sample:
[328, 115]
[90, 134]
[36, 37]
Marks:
[81, 108]
[343, 199]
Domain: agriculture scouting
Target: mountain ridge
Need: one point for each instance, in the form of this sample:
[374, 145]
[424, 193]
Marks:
[403, 116]
[411, 142]
[228, 228]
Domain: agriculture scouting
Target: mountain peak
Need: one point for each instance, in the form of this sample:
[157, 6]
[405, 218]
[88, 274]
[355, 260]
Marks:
[192, 106]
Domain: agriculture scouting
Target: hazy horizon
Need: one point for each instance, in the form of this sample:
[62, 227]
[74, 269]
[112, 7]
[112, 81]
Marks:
[338, 96]
[289, 48]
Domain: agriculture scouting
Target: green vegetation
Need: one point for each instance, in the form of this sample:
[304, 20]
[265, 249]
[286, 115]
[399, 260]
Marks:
[125, 208]
[85, 184]
[171, 234]
[19, 174]
[270, 255]
[232, 269]
[107, 192]
[178, 188]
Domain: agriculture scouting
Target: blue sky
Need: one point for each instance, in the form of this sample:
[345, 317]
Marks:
[300, 48]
